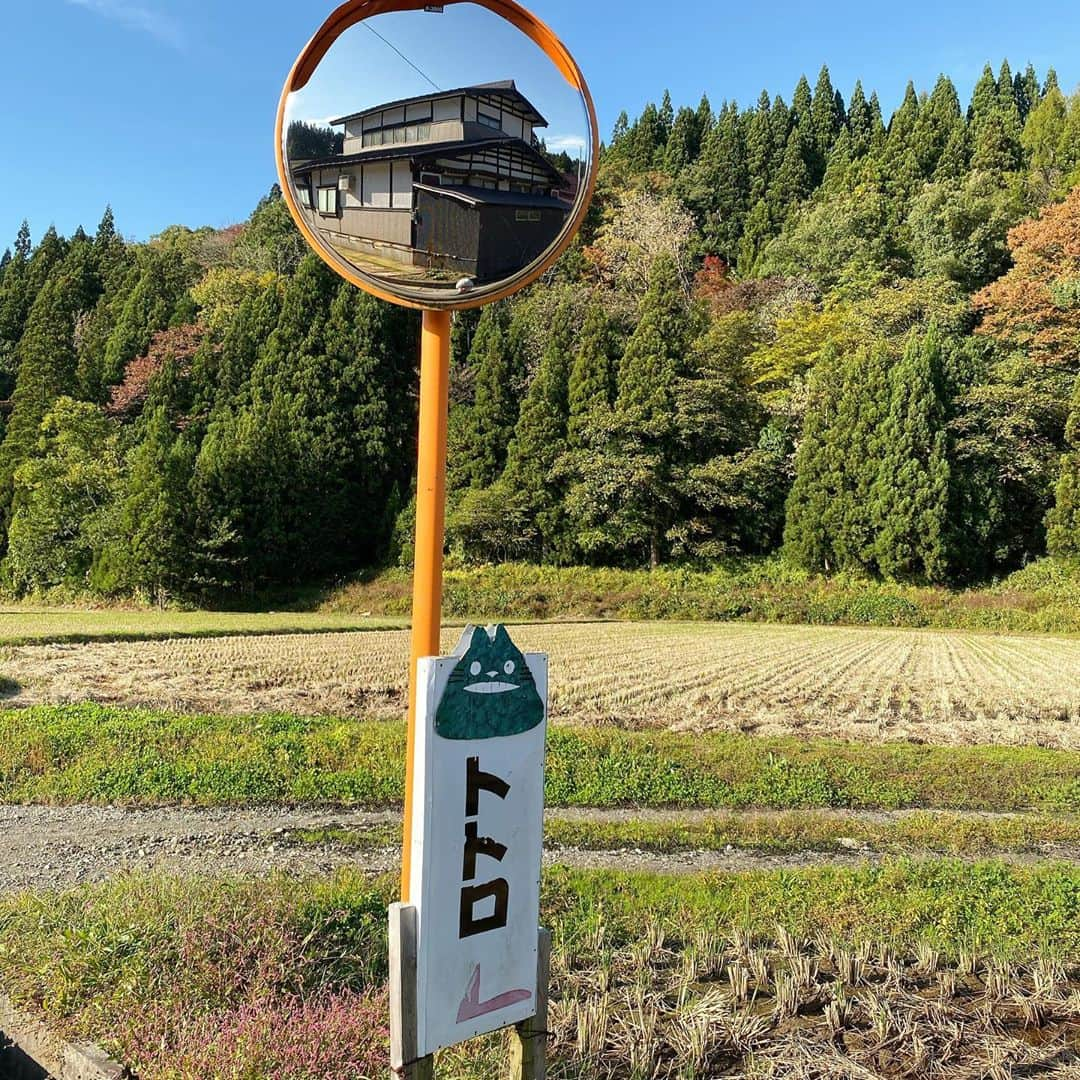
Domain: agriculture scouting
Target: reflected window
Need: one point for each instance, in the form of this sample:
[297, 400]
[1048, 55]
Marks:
[488, 120]
[328, 201]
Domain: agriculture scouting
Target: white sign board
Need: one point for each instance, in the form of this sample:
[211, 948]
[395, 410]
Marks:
[481, 718]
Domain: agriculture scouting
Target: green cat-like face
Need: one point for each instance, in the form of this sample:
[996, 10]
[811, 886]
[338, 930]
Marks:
[491, 691]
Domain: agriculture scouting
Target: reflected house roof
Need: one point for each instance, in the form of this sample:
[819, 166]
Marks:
[475, 196]
[505, 89]
[425, 152]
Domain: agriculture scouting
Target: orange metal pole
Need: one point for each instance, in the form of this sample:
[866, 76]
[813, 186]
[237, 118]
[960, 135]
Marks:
[430, 529]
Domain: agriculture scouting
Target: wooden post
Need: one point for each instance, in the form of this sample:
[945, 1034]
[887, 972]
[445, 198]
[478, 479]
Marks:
[404, 1062]
[528, 1041]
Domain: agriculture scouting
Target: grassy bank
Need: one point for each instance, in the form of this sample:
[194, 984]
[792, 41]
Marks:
[97, 754]
[25, 624]
[1044, 597]
[285, 978]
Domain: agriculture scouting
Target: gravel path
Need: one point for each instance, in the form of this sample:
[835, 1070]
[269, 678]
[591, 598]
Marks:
[43, 846]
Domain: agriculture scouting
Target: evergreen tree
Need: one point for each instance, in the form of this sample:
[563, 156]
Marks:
[46, 372]
[620, 131]
[860, 122]
[806, 539]
[254, 322]
[462, 330]
[592, 377]
[684, 145]
[1006, 87]
[1042, 142]
[667, 117]
[155, 514]
[1063, 522]
[802, 108]
[900, 162]
[830, 523]
[878, 134]
[911, 496]
[953, 163]
[839, 165]
[718, 186]
[539, 438]
[758, 149]
[625, 496]
[164, 278]
[646, 140]
[757, 230]
[23, 244]
[242, 479]
[996, 143]
[704, 116]
[1026, 91]
[1068, 155]
[270, 242]
[780, 123]
[494, 410]
[857, 450]
[828, 120]
[995, 123]
[30, 270]
[984, 98]
[791, 184]
[937, 121]
[728, 473]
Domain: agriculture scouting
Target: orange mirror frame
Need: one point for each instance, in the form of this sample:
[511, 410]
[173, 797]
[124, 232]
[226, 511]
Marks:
[355, 11]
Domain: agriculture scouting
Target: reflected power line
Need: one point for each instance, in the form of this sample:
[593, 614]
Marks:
[391, 45]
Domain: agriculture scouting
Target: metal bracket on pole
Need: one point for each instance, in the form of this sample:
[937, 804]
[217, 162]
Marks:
[404, 1062]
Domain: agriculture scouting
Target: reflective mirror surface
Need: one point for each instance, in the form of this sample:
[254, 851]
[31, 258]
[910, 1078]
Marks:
[440, 156]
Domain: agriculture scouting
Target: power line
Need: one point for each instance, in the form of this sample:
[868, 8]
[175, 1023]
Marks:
[391, 45]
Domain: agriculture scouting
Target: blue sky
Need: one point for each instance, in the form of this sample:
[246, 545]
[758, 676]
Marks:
[165, 108]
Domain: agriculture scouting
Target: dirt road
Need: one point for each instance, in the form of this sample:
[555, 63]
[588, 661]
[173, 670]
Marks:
[43, 847]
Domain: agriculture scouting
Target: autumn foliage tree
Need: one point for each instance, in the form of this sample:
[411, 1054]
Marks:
[1036, 305]
[180, 343]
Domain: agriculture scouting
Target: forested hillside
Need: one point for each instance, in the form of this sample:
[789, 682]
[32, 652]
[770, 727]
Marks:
[791, 326]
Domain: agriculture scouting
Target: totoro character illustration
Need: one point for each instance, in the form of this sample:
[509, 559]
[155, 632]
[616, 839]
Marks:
[491, 691]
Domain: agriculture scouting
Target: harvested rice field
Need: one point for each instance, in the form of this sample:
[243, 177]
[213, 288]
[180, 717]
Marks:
[950, 688]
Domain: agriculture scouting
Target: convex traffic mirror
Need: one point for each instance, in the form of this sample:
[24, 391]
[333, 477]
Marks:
[440, 156]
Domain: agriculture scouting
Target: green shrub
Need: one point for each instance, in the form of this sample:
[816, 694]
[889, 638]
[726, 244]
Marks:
[1044, 597]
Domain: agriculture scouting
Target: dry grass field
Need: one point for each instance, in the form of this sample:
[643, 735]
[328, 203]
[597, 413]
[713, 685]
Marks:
[868, 684]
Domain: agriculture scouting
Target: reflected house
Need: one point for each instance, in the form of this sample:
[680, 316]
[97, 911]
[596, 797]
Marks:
[453, 182]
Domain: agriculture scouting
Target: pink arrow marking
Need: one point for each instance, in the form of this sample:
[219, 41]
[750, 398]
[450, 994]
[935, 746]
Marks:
[471, 1006]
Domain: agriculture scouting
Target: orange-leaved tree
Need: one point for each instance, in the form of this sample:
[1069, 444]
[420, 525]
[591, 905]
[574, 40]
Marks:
[1036, 305]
